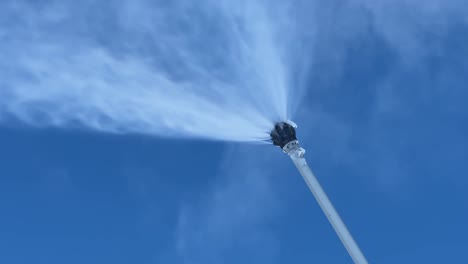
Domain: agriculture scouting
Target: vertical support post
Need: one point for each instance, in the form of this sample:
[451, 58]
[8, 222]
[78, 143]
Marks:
[297, 155]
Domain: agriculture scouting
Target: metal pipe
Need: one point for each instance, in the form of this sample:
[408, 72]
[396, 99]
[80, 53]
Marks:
[297, 155]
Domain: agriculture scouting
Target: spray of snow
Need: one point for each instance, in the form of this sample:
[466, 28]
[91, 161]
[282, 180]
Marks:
[210, 69]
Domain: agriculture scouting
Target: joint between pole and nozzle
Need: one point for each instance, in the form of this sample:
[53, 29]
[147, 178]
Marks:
[293, 148]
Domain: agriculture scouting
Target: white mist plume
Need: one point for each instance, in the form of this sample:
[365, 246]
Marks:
[205, 69]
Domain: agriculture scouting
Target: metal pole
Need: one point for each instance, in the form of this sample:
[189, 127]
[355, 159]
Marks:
[297, 155]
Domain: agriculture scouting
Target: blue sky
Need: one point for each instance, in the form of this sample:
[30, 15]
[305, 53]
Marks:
[382, 118]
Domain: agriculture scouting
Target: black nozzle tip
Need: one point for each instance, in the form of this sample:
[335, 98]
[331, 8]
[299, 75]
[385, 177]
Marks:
[282, 134]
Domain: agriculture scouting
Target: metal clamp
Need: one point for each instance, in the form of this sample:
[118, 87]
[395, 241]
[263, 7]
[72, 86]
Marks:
[293, 148]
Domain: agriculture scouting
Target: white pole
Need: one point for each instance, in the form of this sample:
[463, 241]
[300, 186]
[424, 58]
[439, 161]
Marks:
[297, 155]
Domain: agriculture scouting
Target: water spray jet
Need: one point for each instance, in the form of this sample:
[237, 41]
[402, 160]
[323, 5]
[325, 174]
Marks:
[284, 136]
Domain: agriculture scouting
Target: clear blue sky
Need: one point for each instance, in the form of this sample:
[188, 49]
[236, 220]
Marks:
[384, 123]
